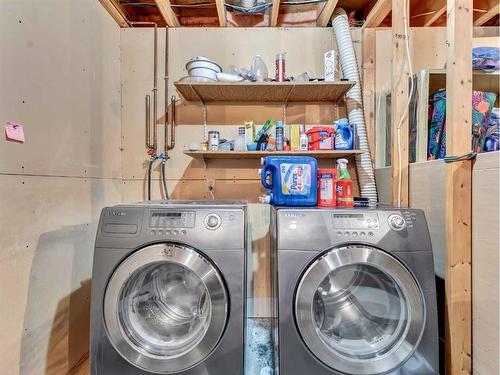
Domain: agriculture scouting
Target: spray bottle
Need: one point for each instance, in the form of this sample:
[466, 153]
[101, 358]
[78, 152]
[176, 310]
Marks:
[344, 185]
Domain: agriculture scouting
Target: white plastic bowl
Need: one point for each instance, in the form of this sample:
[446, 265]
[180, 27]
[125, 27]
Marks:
[203, 62]
[203, 72]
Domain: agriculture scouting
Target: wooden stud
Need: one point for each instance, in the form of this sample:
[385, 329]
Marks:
[326, 13]
[167, 13]
[275, 10]
[458, 202]
[115, 11]
[369, 92]
[494, 11]
[399, 101]
[377, 14]
[221, 12]
[425, 13]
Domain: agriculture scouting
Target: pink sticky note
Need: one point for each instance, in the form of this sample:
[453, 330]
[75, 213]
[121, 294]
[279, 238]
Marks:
[14, 132]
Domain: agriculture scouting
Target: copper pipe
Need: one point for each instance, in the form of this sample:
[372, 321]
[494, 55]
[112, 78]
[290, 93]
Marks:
[153, 145]
[148, 122]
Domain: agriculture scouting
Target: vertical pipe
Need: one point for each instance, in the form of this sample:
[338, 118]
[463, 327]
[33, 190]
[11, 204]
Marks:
[148, 121]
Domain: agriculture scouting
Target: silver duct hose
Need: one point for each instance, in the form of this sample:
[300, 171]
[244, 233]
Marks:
[354, 99]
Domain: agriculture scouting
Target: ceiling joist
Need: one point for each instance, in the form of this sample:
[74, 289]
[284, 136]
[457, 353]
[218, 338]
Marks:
[115, 11]
[326, 13]
[221, 12]
[380, 10]
[275, 10]
[167, 13]
[494, 11]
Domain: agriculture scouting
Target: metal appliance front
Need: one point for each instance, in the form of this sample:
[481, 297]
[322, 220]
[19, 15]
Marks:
[165, 308]
[359, 310]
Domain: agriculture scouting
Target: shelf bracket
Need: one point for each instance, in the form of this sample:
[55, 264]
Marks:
[205, 128]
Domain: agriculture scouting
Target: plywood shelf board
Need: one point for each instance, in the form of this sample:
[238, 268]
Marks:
[263, 92]
[258, 154]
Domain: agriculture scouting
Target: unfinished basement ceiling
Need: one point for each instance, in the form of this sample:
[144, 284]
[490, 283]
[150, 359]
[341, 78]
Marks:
[284, 13]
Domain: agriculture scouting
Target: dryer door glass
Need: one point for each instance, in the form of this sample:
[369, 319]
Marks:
[360, 310]
[165, 308]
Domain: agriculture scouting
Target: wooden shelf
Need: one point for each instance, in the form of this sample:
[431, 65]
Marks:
[258, 154]
[262, 92]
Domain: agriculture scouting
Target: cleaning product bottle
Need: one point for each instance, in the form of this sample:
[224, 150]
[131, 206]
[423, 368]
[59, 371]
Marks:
[344, 185]
[344, 135]
[303, 142]
[279, 135]
[290, 180]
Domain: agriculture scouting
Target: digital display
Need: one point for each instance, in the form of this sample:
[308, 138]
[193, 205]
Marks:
[172, 219]
[355, 221]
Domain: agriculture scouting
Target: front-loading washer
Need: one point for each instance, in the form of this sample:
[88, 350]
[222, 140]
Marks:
[168, 289]
[356, 292]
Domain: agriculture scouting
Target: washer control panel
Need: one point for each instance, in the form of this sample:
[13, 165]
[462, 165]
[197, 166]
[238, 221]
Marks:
[356, 220]
[212, 221]
[396, 222]
[172, 219]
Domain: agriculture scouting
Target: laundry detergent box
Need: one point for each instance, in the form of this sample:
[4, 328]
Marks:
[290, 180]
[330, 66]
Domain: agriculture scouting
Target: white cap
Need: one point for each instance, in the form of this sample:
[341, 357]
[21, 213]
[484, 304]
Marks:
[265, 199]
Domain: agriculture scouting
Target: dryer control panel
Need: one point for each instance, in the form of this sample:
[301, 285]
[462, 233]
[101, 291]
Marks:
[355, 220]
[172, 219]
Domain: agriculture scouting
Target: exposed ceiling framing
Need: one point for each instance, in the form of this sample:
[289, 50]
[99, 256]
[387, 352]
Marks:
[285, 13]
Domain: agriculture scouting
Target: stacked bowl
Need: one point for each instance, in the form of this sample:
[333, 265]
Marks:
[202, 69]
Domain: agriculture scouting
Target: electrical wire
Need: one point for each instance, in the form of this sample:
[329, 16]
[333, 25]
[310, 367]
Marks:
[406, 110]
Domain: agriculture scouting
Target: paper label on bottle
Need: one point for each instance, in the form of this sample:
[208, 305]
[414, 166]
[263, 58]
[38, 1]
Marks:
[326, 187]
[295, 179]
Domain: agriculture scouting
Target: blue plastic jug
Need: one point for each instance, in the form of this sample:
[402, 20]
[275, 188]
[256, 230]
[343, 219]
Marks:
[344, 135]
[293, 180]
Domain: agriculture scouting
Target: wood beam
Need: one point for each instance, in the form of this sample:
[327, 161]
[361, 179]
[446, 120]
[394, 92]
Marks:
[221, 12]
[494, 11]
[115, 11]
[458, 201]
[399, 101]
[377, 14]
[369, 92]
[167, 13]
[326, 13]
[275, 10]
[425, 13]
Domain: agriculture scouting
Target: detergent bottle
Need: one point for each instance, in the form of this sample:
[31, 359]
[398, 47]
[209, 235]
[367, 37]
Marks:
[290, 180]
[344, 185]
[344, 135]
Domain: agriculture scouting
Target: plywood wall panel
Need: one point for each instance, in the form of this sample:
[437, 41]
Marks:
[304, 48]
[61, 82]
[48, 229]
[486, 263]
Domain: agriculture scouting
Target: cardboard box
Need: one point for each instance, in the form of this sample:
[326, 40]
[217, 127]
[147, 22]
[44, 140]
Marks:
[330, 66]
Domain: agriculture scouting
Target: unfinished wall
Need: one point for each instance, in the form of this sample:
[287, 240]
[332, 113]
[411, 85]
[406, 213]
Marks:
[486, 264]
[60, 78]
[187, 177]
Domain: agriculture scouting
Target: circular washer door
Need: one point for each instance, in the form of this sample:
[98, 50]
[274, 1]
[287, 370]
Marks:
[359, 310]
[165, 308]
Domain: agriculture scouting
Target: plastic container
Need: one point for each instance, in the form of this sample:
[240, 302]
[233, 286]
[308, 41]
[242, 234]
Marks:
[344, 185]
[279, 135]
[327, 188]
[259, 69]
[344, 135]
[303, 142]
[239, 142]
[290, 180]
[321, 138]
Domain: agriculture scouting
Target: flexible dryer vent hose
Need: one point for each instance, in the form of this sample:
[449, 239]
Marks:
[355, 104]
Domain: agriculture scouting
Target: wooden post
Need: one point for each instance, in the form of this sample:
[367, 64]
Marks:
[458, 281]
[221, 12]
[275, 11]
[399, 101]
[326, 13]
[380, 10]
[369, 44]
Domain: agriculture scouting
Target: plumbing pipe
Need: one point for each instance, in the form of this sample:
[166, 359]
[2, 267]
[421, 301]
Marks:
[153, 146]
[168, 145]
[354, 100]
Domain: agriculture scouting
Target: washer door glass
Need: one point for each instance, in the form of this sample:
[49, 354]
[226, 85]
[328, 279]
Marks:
[360, 311]
[165, 308]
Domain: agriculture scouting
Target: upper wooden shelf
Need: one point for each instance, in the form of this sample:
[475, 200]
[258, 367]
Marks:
[262, 92]
[333, 154]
